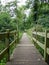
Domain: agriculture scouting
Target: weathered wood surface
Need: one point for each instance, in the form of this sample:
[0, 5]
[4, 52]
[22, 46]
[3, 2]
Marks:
[44, 46]
[26, 54]
[41, 34]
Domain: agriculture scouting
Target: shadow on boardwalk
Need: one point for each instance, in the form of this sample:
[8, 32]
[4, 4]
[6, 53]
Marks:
[26, 54]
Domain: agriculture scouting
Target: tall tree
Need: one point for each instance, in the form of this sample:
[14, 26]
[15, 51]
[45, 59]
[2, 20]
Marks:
[35, 10]
[0, 6]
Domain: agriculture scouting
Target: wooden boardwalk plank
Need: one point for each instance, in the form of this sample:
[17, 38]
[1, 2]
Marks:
[26, 54]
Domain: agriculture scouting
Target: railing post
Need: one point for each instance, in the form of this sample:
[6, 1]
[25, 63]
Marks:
[36, 32]
[7, 42]
[32, 37]
[15, 37]
[45, 46]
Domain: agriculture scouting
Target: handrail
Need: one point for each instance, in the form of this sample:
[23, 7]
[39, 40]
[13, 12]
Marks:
[41, 34]
[3, 53]
[6, 35]
[43, 46]
[39, 43]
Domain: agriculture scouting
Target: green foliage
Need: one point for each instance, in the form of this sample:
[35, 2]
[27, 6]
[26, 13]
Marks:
[29, 31]
[2, 45]
[35, 10]
[20, 18]
[4, 20]
[13, 24]
[20, 34]
[39, 49]
[39, 13]
[44, 21]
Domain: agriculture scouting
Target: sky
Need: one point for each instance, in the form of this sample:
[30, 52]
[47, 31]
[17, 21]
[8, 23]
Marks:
[21, 2]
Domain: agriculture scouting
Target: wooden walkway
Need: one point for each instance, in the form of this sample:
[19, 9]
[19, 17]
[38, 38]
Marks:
[26, 54]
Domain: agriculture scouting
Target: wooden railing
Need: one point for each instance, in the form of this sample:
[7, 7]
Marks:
[44, 46]
[6, 35]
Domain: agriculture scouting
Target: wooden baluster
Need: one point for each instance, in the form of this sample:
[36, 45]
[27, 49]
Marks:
[45, 46]
[18, 36]
[15, 37]
[7, 42]
[47, 56]
[32, 37]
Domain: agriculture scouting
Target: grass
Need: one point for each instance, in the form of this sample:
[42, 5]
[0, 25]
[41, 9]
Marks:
[20, 35]
[29, 31]
[2, 64]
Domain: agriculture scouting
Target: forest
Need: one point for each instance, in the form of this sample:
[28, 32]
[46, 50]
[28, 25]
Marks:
[14, 17]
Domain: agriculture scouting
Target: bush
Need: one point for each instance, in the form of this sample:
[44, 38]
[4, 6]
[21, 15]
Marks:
[38, 28]
[4, 21]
